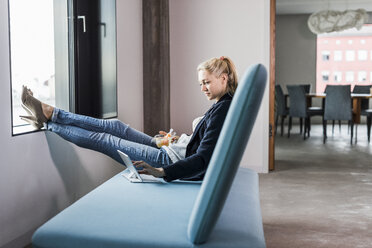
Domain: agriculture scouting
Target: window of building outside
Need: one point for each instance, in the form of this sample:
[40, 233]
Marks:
[337, 55]
[349, 76]
[325, 55]
[325, 76]
[362, 55]
[352, 58]
[350, 55]
[35, 50]
[337, 76]
[362, 76]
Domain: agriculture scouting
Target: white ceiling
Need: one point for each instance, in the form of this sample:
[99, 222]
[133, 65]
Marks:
[310, 6]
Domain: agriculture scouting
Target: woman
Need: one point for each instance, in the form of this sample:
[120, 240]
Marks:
[185, 159]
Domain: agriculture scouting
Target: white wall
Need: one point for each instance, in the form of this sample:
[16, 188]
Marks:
[41, 174]
[200, 30]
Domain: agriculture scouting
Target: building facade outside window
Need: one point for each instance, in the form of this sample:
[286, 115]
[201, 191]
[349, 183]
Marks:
[352, 58]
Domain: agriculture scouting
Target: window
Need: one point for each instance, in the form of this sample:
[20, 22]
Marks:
[337, 76]
[349, 76]
[325, 55]
[350, 55]
[363, 42]
[338, 55]
[338, 42]
[34, 54]
[350, 42]
[325, 76]
[43, 55]
[362, 55]
[362, 76]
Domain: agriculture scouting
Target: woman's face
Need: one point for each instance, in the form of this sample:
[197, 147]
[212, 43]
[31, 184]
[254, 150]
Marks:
[214, 88]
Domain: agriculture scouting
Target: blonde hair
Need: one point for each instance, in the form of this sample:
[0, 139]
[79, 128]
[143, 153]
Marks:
[218, 66]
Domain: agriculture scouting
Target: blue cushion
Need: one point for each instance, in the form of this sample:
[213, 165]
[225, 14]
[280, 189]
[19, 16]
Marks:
[227, 153]
[123, 214]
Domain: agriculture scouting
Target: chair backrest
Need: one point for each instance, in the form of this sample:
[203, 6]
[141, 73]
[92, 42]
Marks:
[338, 103]
[307, 87]
[363, 89]
[227, 154]
[297, 101]
[280, 100]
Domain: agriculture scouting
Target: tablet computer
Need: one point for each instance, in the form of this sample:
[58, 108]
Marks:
[132, 174]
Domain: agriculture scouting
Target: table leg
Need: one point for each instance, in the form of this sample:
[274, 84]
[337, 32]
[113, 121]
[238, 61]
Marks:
[356, 110]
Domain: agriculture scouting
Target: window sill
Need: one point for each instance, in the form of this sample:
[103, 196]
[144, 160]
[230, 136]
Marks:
[23, 129]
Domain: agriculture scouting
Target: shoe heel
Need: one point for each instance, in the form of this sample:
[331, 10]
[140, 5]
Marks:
[32, 121]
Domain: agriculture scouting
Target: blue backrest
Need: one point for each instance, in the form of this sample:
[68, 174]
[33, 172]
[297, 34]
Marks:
[338, 105]
[297, 100]
[227, 153]
[280, 100]
[363, 89]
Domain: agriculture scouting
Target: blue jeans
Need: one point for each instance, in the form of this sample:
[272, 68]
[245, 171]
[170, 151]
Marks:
[107, 136]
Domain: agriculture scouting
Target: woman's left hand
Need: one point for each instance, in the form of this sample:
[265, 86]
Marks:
[148, 169]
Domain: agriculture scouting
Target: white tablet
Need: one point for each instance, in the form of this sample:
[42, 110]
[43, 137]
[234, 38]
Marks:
[131, 173]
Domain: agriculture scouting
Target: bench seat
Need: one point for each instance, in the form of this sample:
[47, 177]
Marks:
[116, 214]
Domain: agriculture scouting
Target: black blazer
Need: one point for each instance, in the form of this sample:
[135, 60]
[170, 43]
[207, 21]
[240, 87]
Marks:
[200, 148]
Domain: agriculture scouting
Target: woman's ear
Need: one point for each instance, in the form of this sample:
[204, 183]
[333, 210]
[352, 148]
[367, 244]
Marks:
[225, 78]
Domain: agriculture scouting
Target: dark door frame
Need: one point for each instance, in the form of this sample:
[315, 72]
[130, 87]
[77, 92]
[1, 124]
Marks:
[272, 85]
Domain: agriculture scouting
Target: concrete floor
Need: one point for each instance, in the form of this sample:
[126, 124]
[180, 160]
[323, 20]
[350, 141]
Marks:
[320, 195]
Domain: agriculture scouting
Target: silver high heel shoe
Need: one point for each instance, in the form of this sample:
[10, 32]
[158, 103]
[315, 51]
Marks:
[31, 119]
[33, 105]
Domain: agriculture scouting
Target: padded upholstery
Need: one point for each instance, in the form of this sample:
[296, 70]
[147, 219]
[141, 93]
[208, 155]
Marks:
[123, 214]
[280, 108]
[227, 153]
[338, 103]
[280, 101]
[363, 89]
[297, 99]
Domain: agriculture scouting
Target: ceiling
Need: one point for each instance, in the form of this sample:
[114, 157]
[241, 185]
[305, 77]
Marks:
[310, 6]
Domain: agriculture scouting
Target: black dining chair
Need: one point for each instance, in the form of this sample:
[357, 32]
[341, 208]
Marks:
[307, 87]
[368, 114]
[333, 121]
[298, 108]
[281, 108]
[338, 106]
[365, 111]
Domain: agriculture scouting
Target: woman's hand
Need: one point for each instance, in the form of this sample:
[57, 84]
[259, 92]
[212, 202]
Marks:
[148, 169]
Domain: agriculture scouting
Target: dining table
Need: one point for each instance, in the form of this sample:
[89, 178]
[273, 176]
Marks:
[356, 100]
